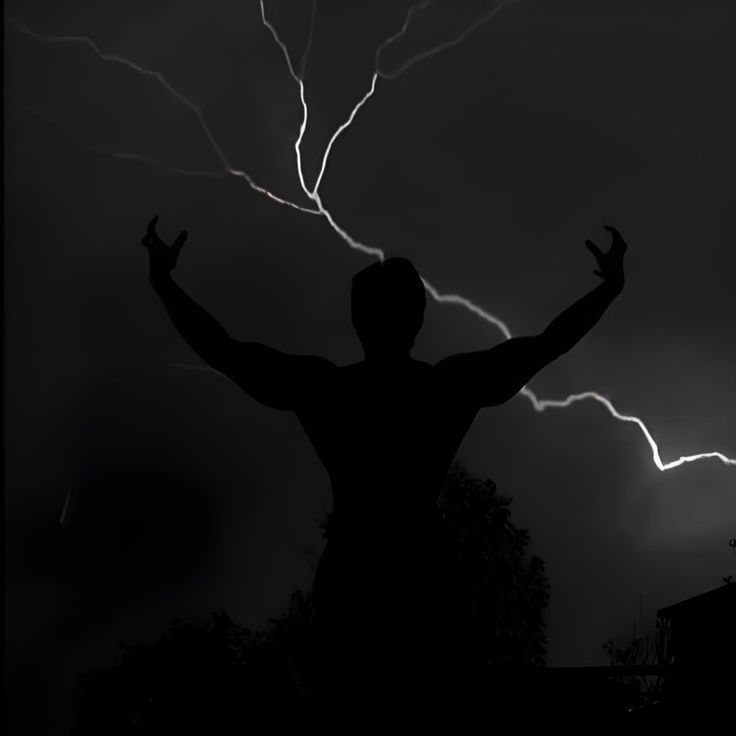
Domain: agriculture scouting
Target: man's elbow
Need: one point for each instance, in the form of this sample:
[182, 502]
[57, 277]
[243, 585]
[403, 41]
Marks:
[218, 354]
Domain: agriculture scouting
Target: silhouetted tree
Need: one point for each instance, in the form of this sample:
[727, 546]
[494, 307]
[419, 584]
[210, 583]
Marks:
[208, 677]
[508, 589]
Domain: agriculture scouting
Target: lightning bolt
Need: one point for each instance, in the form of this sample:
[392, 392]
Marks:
[313, 195]
[539, 405]
[434, 50]
[183, 99]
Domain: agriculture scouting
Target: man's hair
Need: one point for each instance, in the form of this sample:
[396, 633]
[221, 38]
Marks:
[387, 304]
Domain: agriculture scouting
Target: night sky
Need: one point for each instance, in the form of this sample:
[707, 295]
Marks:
[488, 165]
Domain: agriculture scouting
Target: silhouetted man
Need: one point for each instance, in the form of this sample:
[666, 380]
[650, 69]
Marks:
[390, 605]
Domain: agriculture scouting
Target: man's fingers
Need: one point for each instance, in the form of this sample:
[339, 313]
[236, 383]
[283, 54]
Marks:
[151, 239]
[618, 241]
[593, 248]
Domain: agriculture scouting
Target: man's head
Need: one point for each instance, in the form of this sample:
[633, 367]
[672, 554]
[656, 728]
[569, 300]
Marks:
[388, 304]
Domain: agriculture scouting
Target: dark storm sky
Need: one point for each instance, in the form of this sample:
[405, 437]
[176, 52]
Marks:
[488, 166]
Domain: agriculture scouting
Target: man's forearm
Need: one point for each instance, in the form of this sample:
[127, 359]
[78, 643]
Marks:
[570, 326]
[202, 331]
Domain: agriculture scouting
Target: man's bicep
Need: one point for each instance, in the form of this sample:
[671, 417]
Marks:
[274, 378]
[491, 377]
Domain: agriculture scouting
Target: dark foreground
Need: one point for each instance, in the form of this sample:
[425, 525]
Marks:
[221, 679]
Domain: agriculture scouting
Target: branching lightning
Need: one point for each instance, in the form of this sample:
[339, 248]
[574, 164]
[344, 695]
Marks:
[319, 208]
[183, 99]
[459, 38]
[539, 404]
[313, 193]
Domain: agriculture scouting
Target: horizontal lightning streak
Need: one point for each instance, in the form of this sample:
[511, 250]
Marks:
[125, 156]
[542, 404]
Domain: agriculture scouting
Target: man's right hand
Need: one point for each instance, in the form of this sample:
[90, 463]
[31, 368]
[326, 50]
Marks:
[610, 264]
[162, 258]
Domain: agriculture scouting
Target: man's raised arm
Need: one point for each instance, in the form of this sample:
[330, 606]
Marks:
[494, 376]
[274, 378]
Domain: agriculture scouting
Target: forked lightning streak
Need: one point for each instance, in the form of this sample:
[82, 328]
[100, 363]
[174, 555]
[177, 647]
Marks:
[319, 208]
